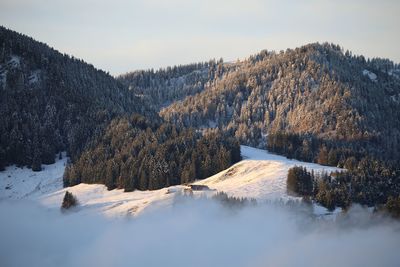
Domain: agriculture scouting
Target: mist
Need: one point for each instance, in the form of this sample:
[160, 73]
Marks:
[195, 233]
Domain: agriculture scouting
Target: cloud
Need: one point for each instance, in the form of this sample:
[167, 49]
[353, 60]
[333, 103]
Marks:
[194, 233]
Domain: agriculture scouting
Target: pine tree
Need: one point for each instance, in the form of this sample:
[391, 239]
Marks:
[36, 159]
[332, 158]
[2, 159]
[393, 206]
[69, 201]
[323, 156]
[299, 181]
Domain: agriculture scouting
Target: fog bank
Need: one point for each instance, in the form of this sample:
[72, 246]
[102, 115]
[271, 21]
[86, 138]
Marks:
[195, 233]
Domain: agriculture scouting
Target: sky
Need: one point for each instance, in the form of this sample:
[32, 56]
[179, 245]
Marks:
[125, 35]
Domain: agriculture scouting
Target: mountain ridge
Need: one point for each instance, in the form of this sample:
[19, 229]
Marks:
[51, 102]
[317, 89]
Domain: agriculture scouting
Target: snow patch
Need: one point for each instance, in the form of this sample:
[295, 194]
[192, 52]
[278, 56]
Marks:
[14, 62]
[21, 183]
[34, 77]
[395, 98]
[372, 76]
[3, 77]
[322, 212]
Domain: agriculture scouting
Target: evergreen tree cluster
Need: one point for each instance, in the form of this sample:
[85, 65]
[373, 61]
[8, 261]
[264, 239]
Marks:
[392, 206]
[233, 202]
[299, 181]
[370, 182]
[164, 86]
[308, 148]
[135, 153]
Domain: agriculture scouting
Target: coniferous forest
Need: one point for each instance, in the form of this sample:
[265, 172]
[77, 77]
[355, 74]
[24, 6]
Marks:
[135, 153]
[50, 102]
[151, 129]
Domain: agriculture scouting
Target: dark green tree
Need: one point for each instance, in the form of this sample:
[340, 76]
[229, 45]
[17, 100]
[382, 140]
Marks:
[69, 201]
[299, 181]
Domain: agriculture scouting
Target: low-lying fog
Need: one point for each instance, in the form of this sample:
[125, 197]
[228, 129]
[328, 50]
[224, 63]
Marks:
[195, 233]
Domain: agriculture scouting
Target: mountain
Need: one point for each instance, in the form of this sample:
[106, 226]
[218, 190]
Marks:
[52, 102]
[317, 103]
[318, 90]
[162, 87]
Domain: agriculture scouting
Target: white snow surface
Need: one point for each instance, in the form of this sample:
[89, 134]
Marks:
[46, 187]
[372, 76]
[260, 175]
[3, 78]
[14, 62]
[96, 198]
[22, 183]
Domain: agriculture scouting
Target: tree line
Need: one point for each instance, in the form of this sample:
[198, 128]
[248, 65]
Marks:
[337, 153]
[135, 153]
[370, 182]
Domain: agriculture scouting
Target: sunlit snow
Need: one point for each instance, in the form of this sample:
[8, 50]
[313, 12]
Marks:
[260, 175]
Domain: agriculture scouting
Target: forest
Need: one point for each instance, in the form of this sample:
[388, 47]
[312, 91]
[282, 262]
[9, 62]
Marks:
[370, 183]
[135, 153]
[52, 102]
[317, 90]
[367, 178]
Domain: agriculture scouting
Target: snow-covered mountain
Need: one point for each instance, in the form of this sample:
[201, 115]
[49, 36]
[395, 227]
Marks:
[260, 175]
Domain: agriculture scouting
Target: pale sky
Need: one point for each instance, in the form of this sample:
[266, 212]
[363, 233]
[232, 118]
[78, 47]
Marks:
[120, 35]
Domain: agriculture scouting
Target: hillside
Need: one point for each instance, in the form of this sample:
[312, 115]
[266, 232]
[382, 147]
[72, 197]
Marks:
[162, 87]
[317, 90]
[261, 175]
[52, 102]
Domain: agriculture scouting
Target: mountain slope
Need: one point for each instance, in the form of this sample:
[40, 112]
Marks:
[50, 102]
[316, 90]
[260, 175]
[162, 87]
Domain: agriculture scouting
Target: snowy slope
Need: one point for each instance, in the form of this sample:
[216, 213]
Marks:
[46, 188]
[261, 175]
[22, 183]
[96, 198]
